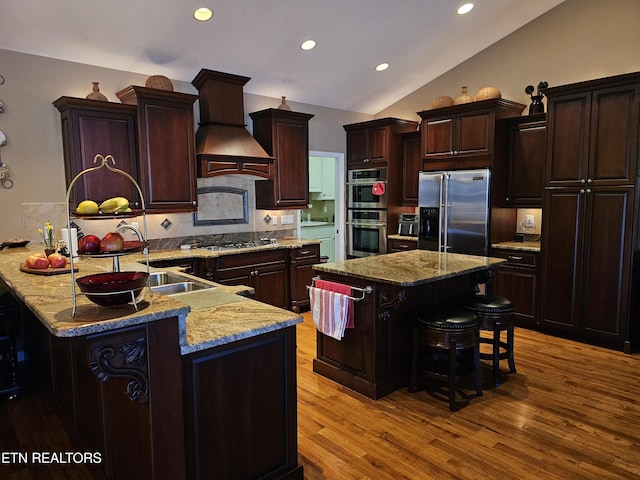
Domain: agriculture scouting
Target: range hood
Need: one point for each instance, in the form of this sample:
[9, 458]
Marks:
[223, 144]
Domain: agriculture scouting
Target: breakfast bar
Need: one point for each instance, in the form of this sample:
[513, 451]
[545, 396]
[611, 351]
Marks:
[373, 358]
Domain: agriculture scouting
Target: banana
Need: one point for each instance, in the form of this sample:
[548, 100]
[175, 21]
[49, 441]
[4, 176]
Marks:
[114, 204]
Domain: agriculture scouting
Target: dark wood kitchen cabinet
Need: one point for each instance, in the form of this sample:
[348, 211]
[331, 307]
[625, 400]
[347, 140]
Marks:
[376, 142]
[463, 136]
[301, 262]
[411, 166]
[285, 136]
[401, 245]
[166, 147]
[525, 160]
[266, 271]
[91, 127]
[241, 414]
[518, 280]
[590, 198]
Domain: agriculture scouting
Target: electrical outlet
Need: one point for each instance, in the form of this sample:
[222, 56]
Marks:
[529, 221]
[287, 219]
[274, 220]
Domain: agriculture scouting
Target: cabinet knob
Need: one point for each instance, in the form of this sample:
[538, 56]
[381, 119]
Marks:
[582, 180]
[507, 199]
[582, 190]
[589, 181]
[588, 190]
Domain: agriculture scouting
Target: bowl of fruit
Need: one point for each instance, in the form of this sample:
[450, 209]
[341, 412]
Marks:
[113, 288]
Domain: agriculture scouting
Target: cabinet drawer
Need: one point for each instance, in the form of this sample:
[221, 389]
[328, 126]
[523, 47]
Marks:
[395, 245]
[251, 259]
[306, 252]
[518, 257]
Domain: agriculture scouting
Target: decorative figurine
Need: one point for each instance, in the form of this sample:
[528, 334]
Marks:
[536, 100]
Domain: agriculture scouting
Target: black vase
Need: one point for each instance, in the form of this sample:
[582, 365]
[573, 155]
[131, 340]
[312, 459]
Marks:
[536, 104]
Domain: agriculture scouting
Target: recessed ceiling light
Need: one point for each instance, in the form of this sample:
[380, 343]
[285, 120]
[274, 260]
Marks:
[202, 14]
[466, 8]
[308, 44]
[382, 66]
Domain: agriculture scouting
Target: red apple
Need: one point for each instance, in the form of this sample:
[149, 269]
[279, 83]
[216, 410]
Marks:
[89, 244]
[112, 242]
[38, 261]
[57, 261]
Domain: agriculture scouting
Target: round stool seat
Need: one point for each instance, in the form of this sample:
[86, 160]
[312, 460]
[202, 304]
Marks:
[450, 318]
[487, 304]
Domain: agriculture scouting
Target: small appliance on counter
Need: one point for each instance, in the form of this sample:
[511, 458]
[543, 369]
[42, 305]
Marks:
[408, 224]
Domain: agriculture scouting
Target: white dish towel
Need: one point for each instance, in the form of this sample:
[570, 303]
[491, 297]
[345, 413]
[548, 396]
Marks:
[329, 311]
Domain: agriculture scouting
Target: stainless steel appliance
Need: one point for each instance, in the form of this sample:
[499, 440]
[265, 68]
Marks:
[454, 211]
[408, 224]
[366, 188]
[366, 232]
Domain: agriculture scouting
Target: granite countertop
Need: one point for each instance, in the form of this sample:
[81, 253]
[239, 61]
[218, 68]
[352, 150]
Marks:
[410, 268]
[223, 317]
[529, 246]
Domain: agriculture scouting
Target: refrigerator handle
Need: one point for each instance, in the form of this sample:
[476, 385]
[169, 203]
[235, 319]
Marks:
[444, 195]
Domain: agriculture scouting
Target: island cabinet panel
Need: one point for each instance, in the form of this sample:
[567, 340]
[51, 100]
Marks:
[374, 357]
[111, 390]
[91, 127]
[241, 409]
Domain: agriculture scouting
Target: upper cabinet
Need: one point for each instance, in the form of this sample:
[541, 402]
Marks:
[91, 127]
[591, 135]
[463, 136]
[166, 147]
[411, 166]
[284, 135]
[376, 142]
[322, 178]
[525, 160]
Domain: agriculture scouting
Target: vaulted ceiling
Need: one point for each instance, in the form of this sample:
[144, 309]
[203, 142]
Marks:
[420, 39]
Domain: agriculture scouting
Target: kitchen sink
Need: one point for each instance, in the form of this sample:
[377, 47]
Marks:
[169, 283]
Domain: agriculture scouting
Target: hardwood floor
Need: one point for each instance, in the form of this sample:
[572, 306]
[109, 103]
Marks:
[572, 411]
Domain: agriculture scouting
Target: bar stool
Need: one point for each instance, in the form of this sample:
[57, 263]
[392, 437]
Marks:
[445, 348]
[495, 314]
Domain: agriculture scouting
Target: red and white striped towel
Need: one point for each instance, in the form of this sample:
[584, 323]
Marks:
[338, 288]
[329, 311]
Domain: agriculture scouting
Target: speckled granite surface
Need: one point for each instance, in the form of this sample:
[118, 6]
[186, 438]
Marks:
[229, 318]
[524, 246]
[413, 267]
[395, 236]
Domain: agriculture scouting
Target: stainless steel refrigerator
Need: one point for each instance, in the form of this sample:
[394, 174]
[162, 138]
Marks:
[454, 211]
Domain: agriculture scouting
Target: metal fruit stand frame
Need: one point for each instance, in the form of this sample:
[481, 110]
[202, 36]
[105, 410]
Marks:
[104, 163]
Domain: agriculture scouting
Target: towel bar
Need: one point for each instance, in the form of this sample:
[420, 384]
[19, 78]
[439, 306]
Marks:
[364, 290]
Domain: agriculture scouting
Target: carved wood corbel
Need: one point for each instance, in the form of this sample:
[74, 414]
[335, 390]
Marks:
[388, 300]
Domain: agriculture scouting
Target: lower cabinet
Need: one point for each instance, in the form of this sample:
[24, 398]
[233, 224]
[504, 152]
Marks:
[518, 280]
[266, 272]
[401, 245]
[301, 261]
[241, 414]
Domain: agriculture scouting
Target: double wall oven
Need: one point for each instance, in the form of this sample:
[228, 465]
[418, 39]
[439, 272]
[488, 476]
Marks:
[366, 212]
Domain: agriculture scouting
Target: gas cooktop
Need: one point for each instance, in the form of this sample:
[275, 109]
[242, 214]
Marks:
[237, 245]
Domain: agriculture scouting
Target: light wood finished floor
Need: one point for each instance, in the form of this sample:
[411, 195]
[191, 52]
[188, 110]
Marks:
[572, 411]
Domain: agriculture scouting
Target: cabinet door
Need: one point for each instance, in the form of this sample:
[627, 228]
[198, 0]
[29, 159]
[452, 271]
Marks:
[315, 174]
[474, 134]
[167, 163]
[357, 146]
[270, 285]
[567, 140]
[613, 147]
[328, 178]
[562, 247]
[607, 264]
[438, 138]
[517, 280]
[526, 155]
[377, 146]
[90, 128]
[367, 145]
[411, 166]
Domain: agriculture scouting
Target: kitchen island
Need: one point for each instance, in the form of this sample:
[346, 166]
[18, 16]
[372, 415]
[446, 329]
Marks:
[202, 387]
[373, 358]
